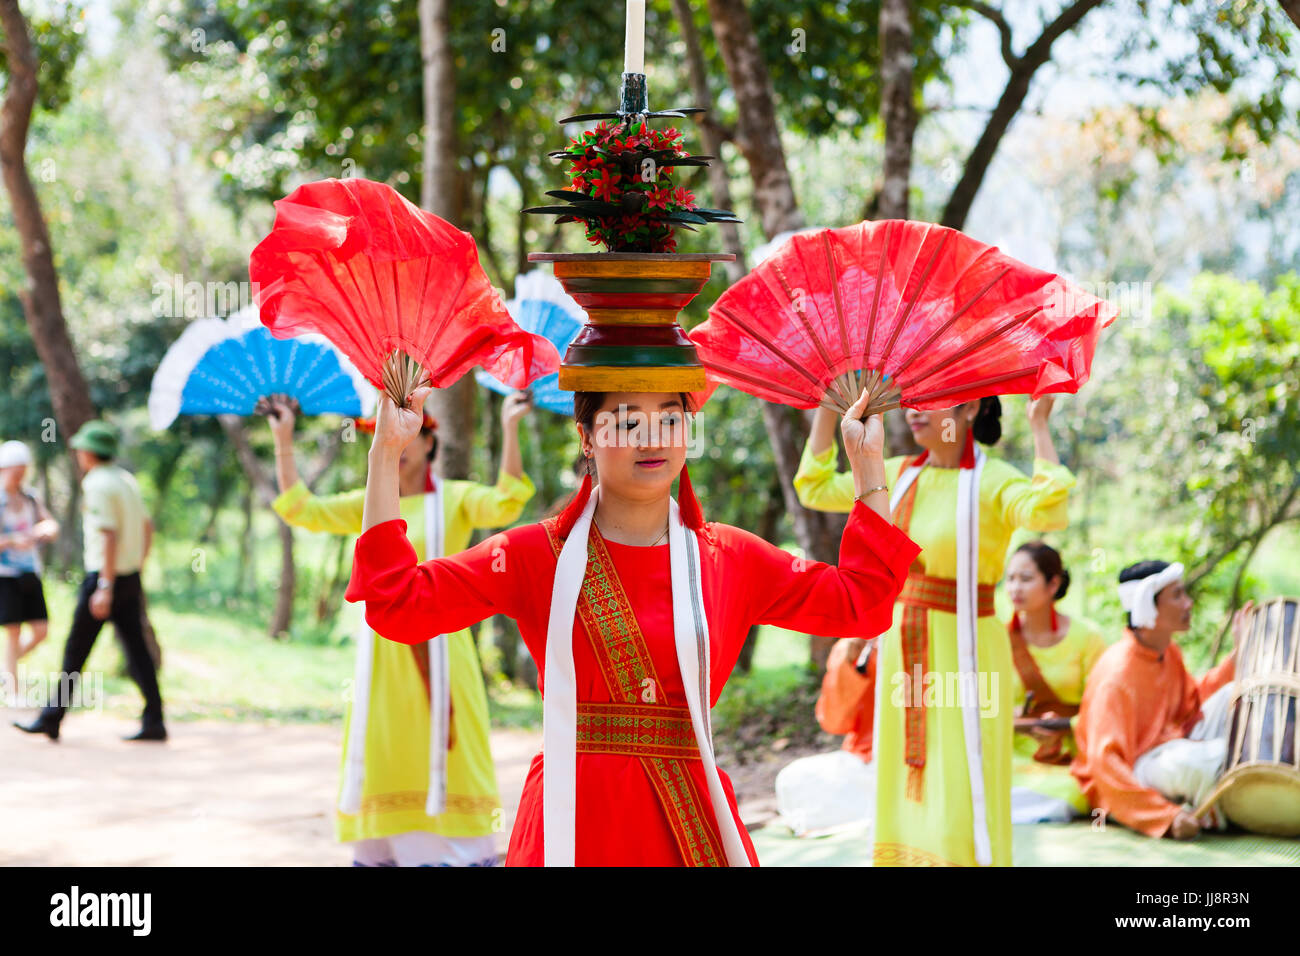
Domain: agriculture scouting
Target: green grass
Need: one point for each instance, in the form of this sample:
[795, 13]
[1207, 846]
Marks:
[773, 703]
[220, 664]
[214, 666]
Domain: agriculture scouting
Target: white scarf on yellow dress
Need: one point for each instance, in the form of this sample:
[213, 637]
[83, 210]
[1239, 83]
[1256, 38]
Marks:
[354, 768]
[968, 556]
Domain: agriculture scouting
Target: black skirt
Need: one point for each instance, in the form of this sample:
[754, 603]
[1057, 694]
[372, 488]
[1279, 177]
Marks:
[22, 599]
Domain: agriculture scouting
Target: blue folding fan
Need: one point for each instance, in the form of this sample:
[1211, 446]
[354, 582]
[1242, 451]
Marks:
[223, 366]
[541, 306]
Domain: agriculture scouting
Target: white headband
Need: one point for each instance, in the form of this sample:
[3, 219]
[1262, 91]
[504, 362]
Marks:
[1139, 597]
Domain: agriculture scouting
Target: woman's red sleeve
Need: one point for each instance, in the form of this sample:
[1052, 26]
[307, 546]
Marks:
[852, 599]
[411, 602]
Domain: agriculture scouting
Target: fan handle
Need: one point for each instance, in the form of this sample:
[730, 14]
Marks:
[884, 395]
[401, 376]
[264, 405]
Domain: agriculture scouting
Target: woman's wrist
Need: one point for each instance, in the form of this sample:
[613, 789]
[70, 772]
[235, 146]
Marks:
[868, 474]
[384, 455]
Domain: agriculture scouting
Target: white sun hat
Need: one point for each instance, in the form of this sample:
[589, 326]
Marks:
[14, 453]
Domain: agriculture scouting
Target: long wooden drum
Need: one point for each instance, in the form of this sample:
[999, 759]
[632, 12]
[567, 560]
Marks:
[1260, 786]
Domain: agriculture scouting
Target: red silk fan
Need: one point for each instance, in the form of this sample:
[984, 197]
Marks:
[921, 315]
[397, 289]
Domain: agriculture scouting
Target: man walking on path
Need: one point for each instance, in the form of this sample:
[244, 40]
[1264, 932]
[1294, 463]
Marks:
[117, 535]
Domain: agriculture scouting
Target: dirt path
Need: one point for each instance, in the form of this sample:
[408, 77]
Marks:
[216, 794]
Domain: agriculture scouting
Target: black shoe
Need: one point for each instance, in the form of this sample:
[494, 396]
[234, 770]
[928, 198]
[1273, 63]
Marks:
[149, 733]
[40, 725]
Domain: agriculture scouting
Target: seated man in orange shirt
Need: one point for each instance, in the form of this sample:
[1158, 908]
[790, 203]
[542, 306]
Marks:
[1151, 738]
[827, 790]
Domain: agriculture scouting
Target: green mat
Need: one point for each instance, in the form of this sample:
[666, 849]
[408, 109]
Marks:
[1067, 844]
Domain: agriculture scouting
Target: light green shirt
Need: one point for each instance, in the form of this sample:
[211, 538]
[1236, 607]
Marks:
[110, 501]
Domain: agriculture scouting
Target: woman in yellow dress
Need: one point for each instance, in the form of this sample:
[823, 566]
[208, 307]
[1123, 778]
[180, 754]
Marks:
[409, 796]
[945, 676]
[1053, 654]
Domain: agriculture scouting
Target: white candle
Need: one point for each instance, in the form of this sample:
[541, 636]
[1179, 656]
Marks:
[634, 48]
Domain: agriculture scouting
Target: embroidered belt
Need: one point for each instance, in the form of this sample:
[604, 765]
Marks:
[922, 594]
[636, 730]
[940, 594]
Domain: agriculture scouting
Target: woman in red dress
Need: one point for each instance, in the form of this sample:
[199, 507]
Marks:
[655, 593]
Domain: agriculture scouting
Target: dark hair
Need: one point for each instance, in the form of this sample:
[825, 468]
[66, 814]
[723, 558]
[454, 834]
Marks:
[433, 449]
[1048, 561]
[587, 404]
[987, 426]
[1136, 572]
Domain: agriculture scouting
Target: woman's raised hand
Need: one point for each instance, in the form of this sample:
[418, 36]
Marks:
[515, 407]
[395, 427]
[1040, 408]
[863, 440]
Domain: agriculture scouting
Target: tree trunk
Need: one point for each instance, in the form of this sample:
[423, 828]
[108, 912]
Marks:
[72, 537]
[506, 638]
[331, 592]
[247, 552]
[440, 194]
[40, 295]
[1023, 68]
[260, 480]
[1292, 10]
[758, 137]
[757, 133]
[767, 526]
[711, 133]
[898, 106]
[283, 615]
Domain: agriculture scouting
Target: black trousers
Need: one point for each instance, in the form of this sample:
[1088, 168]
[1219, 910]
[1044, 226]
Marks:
[126, 617]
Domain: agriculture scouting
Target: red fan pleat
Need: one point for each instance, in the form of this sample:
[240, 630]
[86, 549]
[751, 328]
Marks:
[922, 315]
[354, 261]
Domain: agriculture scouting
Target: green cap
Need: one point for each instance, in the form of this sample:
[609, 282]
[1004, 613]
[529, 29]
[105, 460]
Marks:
[97, 437]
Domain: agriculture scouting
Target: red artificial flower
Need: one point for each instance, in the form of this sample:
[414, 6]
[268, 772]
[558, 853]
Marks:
[580, 184]
[588, 163]
[658, 199]
[684, 197]
[605, 186]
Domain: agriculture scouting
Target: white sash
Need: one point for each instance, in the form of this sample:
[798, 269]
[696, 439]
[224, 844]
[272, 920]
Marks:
[354, 768]
[560, 706]
[439, 668]
[968, 549]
